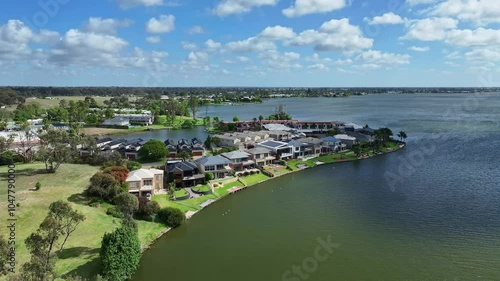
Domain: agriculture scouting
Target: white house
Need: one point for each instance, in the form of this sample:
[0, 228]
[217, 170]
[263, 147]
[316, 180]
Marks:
[282, 149]
[347, 140]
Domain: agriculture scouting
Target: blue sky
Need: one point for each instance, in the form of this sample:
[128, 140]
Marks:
[289, 43]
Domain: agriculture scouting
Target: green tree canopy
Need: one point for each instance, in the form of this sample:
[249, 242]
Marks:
[153, 150]
[172, 217]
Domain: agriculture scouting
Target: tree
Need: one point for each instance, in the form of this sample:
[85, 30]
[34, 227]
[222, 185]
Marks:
[187, 124]
[356, 148]
[148, 208]
[333, 132]
[236, 118]
[57, 114]
[402, 135]
[185, 155]
[216, 119]
[4, 252]
[193, 105]
[172, 217]
[120, 173]
[153, 150]
[61, 220]
[54, 149]
[120, 253]
[27, 143]
[127, 203]
[103, 186]
[133, 165]
[6, 143]
[261, 118]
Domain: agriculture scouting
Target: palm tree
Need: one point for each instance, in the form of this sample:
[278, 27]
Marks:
[400, 136]
[403, 135]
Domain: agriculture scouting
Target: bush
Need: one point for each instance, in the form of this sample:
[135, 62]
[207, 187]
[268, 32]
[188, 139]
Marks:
[252, 172]
[133, 165]
[148, 208]
[113, 211]
[38, 185]
[209, 176]
[153, 150]
[172, 217]
[127, 203]
[246, 173]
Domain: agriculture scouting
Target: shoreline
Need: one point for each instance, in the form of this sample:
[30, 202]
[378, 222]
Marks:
[193, 213]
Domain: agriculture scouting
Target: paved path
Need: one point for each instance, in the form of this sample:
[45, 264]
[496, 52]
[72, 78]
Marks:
[191, 193]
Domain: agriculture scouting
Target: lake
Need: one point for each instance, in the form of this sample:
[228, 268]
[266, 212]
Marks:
[428, 212]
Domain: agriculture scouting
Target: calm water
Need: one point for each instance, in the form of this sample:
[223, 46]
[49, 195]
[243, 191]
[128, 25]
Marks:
[440, 220]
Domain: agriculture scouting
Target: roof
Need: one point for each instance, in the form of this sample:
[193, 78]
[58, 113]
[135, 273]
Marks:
[98, 141]
[345, 137]
[213, 160]
[273, 144]
[169, 142]
[277, 127]
[181, 166]
[258, 150]
[143, 174]
[295, 143]
[330, 139]
[310, 140]
[235, 154]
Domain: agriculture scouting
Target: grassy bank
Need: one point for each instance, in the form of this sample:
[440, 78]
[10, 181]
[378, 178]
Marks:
[81, 253]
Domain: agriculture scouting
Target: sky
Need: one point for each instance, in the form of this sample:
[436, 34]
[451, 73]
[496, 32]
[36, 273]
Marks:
[250, 43]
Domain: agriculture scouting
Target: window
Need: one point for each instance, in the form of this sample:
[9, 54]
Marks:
[147, 182]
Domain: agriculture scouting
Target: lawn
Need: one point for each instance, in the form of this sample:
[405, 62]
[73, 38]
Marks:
[48, 103]
[201, 188]
[225, 189]
[192, 204]
[253, 179]
[81, 252]
[180, 193]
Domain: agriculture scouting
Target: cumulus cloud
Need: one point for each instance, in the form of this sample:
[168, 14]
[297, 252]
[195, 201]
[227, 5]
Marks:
[306, 7]
[105, 26]
[212, 45]
[483, 55]
[188, 45]
[387, 18]
[282, 61]
[378, 57]
[481, 12]
[419, 2]
[231, 7]
[334, 35]
[14, 39]
[430, 29]
[252, 44]
[472, 38]
[277, 33]
[131, 3]
[318, 66]
[162, 24]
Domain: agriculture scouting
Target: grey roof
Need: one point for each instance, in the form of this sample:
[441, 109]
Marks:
[258, 150]
[98, 141]
[273, 144]
[296, 143]
[181, 166]
[235, 154]
[213, 160]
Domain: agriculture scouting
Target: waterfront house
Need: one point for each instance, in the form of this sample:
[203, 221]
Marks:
[116, 121]
[261, 156]
[171, 148]
[145, 182]
[217, 165]
[102, 142]
[312, 146]
[184, 174]
[331, 144]
[197, 148]
[280, 135]
[240, 160]
[298, 148]
[228, 141]
[114, 144]
[283, 150]
[346, 139]
[130, 149]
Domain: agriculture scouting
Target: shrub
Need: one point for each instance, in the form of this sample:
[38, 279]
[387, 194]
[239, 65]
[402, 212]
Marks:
[246, 173]
[209, 176]
[153, 150]
[127, 203]
[38, 185]
[118, 172]
[172, 217]
[113, 211]
[148, 208]
[252, 172]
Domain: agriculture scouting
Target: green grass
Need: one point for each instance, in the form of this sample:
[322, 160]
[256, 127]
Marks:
[192, 204]
[48, 103]
[180, 193]
[225, 189]
[253, 179]
[82, 248]
[201, 188]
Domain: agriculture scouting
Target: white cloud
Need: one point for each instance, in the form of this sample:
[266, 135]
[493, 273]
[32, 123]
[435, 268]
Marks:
[334, 35]
[305, 7]
[430, 29]
[105, 26]
[470, 38]
[197, 58]
[344, 62]
[316, 58]
[378, 57]
[212, 45]
[45, 36]
[14, 39]
[419, 2]
[481, 12]
[230, 7]
[387, 18]
[153, 39]
[196, 30]
[188, 45]
[367, 66]
[131, 3]
[277, 33]
[419, 49]
[318, 66]
[252, 44]
[282, 61]
[243, 59]
[483, 55]
[164, 24]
